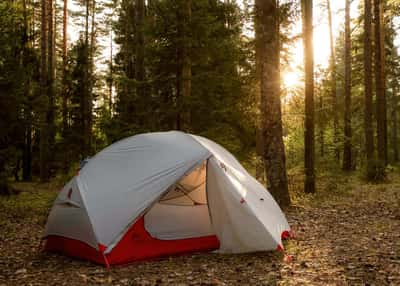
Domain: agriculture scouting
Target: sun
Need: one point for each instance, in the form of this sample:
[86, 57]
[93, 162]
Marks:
[291, 79]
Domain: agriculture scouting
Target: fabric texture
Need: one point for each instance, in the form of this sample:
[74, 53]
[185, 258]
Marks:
[178, 187]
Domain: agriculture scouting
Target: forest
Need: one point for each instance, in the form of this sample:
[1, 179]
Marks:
[304, 93]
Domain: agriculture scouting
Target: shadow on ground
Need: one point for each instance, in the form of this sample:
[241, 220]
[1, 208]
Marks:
[347, 237]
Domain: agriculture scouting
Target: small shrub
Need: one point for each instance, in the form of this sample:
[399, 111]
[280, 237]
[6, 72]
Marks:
[376, 171]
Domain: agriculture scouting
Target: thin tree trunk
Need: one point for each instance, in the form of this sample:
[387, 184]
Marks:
[395, 143]
[380, 83]
[50, 82]
[321, 127]
[89, 102]
[27, 149]
[268, 62]
[64, 88]
[368, 127]
[383, 74]
[309, 143]
[110, 87]
[347, 159]
[64, 71]
[333, 85]
[140, 69]
[184, 69]
[187, 66]
[44, 171]
[85, 101]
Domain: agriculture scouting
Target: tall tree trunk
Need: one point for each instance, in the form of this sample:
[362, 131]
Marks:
[394, 119]
[111, 79]
[309, 143]
[44, 170]
[140, 70]
[127, 107]
[85, 100]
[50, 83]
[184, 67]
[268, 62]
[347, 159]
[178, 71]
[91, 72]
[368, 127]
[27, 149]
[187, 66]
[321, 126]
[381, 112]
[333, 84]
[64, 90]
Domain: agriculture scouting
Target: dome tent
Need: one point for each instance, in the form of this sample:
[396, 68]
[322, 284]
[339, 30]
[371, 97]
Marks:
[158, 194]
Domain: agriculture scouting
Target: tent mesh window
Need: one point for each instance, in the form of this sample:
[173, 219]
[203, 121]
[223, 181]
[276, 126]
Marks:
[189, 191]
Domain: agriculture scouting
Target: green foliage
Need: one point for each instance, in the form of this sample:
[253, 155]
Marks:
[223, 103]
[18, 79]
[29, 203]
[220, 103]
[376, 172]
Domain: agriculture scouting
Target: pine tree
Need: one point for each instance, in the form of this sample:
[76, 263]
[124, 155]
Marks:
[268, 62]
[44, 136]
[380, 79]
[50, 117]
[368, 127]
[309, 149]
[347, 147]
[332, 67]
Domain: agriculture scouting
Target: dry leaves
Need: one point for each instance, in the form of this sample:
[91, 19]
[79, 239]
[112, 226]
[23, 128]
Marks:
[350, 238]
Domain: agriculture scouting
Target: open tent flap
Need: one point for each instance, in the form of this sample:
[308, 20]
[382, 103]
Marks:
[182, 212]
[239, 225]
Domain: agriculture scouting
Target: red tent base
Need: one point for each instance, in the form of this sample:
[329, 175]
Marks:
[137, 244]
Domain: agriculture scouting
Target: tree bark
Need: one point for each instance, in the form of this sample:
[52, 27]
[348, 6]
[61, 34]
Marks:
[27, 146]
[64, 92]
[268, 62]
[50, 83]
[321, 127]
[184, 68]
[91, 78]
[381, 112]
[347, 158]
[394, 119]
[333, 85]
[368, 127]
[86, 96]
[44, 171]
[187, 66]
[309, 140]
[111, 79]
[140, 54]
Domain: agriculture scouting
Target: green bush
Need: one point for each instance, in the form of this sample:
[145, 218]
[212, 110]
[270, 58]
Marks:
[376, 171]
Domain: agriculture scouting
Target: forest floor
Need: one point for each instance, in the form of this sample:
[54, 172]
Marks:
[346, 234]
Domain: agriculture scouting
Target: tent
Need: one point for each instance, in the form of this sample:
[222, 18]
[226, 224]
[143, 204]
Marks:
[159, 194]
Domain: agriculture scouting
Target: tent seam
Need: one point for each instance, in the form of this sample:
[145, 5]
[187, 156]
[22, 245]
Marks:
[80, 187]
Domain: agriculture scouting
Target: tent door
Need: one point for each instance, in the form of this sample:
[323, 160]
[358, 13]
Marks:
[183, 211]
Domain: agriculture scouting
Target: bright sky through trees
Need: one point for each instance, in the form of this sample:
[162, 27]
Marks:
[291, 75]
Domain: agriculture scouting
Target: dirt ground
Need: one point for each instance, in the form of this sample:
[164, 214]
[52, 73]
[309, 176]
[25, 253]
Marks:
[347, 234]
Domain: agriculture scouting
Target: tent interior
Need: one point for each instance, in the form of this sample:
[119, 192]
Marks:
[182, 212]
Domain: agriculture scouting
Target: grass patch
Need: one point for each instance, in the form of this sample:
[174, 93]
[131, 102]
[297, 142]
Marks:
[32, 203]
